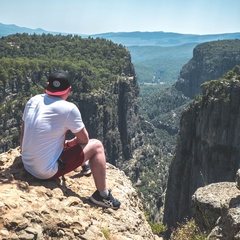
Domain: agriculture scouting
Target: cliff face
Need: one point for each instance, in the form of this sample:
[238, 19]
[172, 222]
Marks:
[207, 148]
[35, 209]
[210, 61]
[113, 117]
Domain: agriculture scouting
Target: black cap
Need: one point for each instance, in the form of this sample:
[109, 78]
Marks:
[58, 83]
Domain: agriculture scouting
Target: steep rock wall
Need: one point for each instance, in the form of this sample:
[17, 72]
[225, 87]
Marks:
[207, 148]
[113, 117]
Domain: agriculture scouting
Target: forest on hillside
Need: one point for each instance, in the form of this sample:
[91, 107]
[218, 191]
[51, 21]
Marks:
[99, 61]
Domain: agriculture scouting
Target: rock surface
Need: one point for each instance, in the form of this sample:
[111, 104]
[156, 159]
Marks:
[207, 148]
[216, 210]
[37, 209]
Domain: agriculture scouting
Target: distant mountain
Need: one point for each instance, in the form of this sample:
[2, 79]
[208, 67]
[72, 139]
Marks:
[164, 39]
[8, 29]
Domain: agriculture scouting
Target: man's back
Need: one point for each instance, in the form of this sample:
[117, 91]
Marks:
[46, 120]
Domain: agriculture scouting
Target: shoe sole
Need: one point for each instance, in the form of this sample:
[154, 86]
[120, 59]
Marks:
[87, 173]
[101, 203]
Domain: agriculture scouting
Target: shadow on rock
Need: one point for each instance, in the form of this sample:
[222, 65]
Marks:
[15, 173]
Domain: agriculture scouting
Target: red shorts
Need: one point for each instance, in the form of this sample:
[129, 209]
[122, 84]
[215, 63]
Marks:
[70, 159]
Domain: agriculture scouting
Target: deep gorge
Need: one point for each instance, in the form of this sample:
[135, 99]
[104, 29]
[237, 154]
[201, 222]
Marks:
[106, 90]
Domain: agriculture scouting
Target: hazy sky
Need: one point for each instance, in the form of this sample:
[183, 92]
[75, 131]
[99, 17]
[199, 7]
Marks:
[101, 16]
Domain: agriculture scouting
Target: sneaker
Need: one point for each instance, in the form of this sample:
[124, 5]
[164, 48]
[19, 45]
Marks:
[86, 169]
[109, 201]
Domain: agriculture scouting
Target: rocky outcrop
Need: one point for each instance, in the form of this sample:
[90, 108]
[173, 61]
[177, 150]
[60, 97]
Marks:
[207, 148]
[216, 210]
[210, 61]
[35, 209]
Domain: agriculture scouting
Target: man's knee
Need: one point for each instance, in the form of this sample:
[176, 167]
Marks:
[96, 145]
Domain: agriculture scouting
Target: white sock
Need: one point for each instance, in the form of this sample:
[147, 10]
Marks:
[104, 193]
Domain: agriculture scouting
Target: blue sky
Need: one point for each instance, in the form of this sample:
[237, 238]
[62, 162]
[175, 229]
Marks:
[101, 16]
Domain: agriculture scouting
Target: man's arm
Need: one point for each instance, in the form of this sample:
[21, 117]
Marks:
[81, 138]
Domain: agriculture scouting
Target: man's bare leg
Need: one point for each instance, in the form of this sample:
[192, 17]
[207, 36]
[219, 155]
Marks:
[94, 151]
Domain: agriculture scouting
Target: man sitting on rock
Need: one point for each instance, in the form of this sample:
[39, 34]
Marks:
[45, 152]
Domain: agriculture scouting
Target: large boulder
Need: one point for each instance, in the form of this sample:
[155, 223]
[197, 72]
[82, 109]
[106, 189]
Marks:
[216, 210]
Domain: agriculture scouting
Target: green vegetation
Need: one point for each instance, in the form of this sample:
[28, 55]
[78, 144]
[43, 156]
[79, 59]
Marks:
[212, 53]
[210, 88]
[188, 231]
[222, 87]
[157, 228]
[106, 233]
[97, 62]
[149, 168]
[154, 64]
[162, 102]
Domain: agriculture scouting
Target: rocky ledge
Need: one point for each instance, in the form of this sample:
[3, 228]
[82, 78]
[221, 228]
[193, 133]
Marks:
[35, 209]
[216, 209]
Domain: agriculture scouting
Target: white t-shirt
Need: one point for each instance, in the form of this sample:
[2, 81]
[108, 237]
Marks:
[46, 121]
